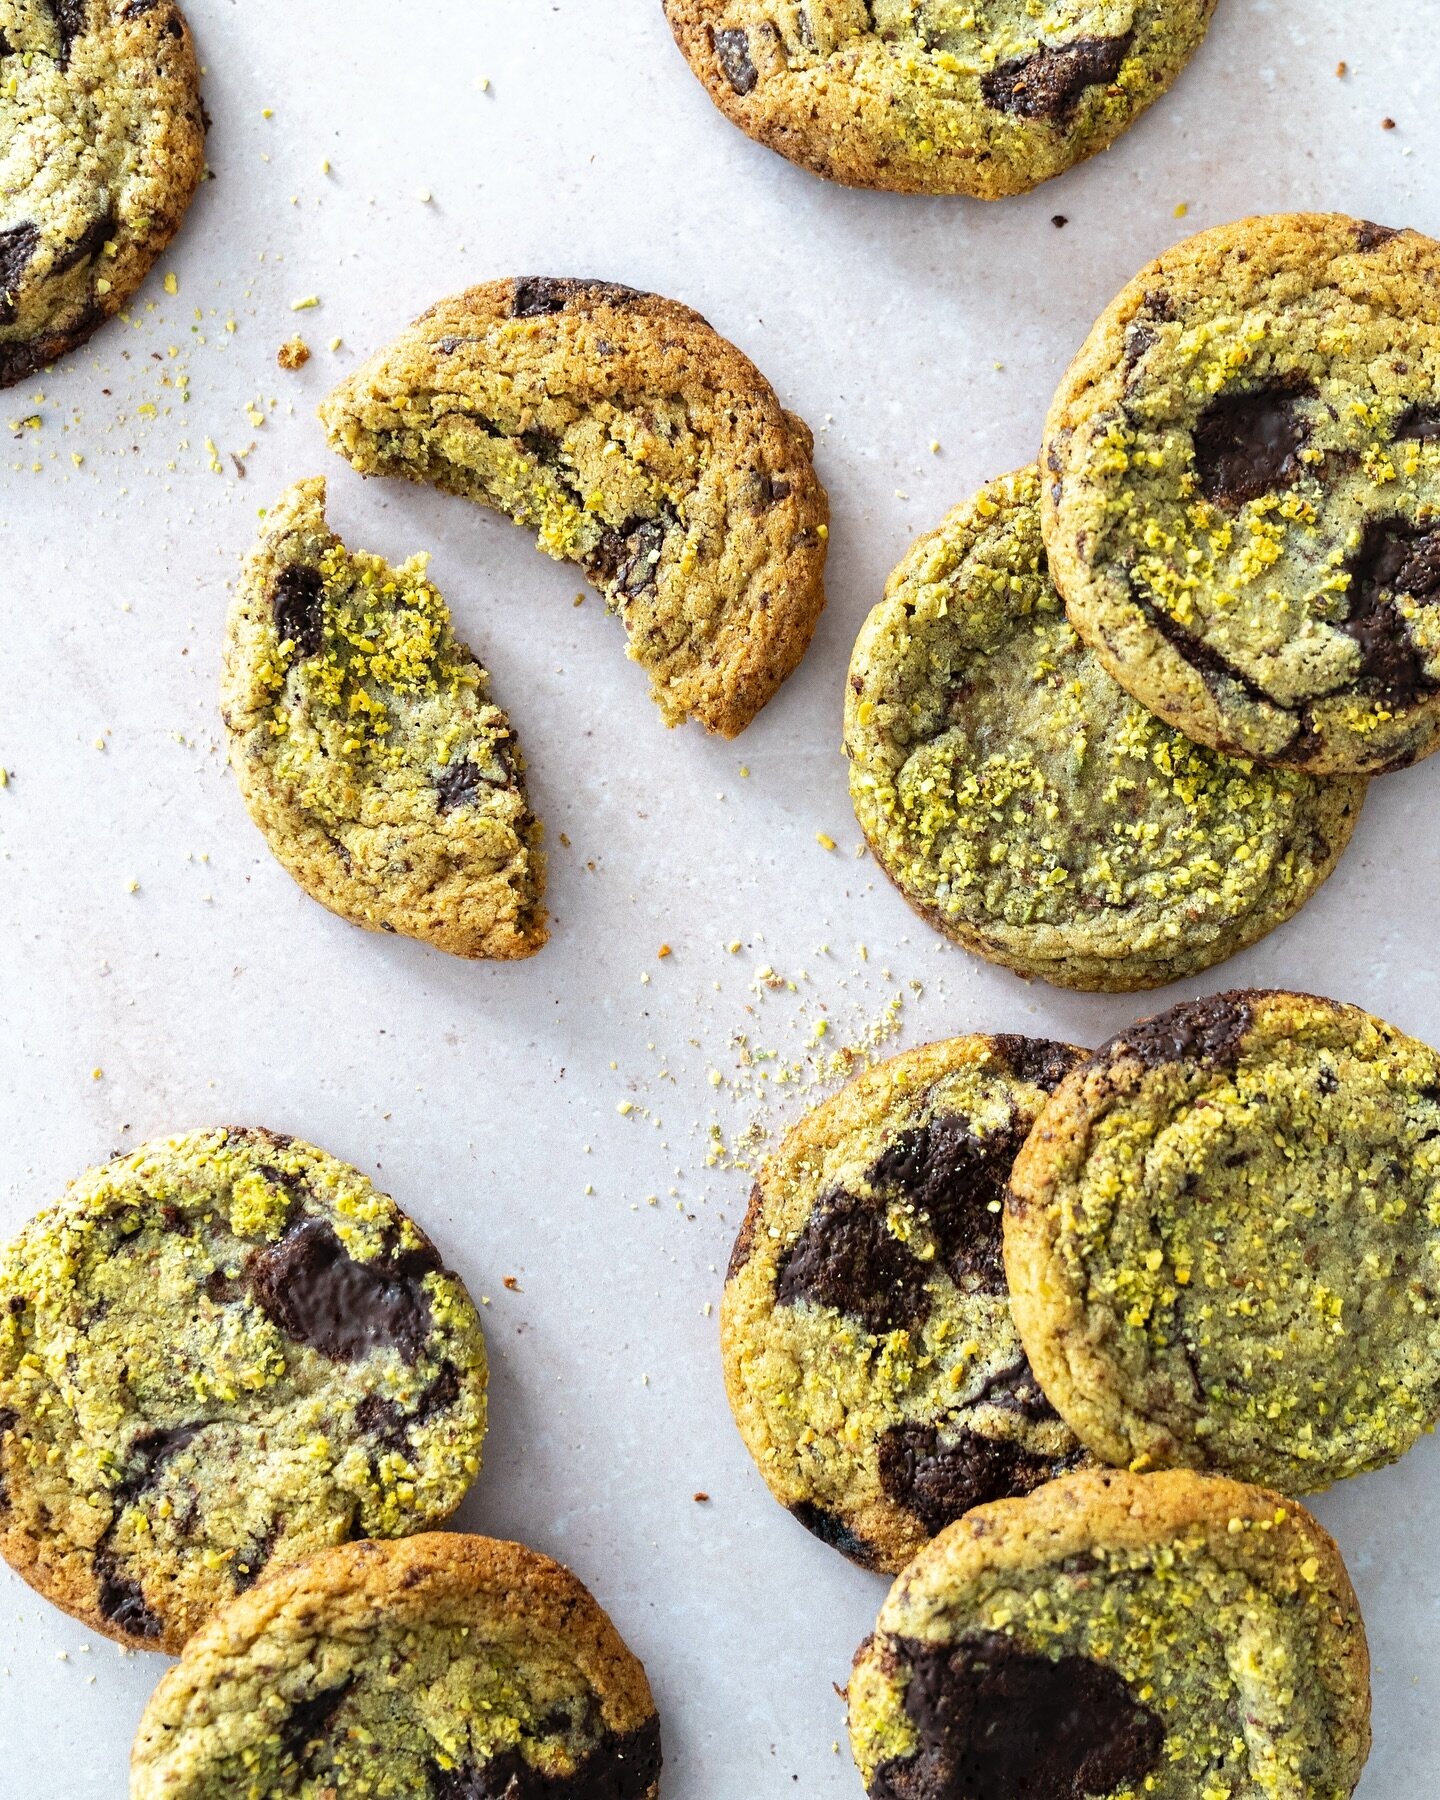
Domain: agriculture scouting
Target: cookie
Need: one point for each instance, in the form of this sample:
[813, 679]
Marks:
[638, 444]
[219, 1354]
[936, 96]
[1223, 1241]
[447, 1666]
[870, 1358]
[1030, 809]
[1243, 491]
[102, 145]
[368, 748]
[1176, 1636]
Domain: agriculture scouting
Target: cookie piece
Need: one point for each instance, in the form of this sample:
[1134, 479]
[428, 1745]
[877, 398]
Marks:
[219, 1354]
[449, 1666]
[1243, 494]
[368, 749]
[1176, 1636]
[102, 145]
[638, 444]
[1029, 808]
[934, 96]
[870, 1358]
[1222, 1241]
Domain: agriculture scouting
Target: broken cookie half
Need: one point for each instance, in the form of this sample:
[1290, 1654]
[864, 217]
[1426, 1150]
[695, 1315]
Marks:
[367, 746]
[638, 444]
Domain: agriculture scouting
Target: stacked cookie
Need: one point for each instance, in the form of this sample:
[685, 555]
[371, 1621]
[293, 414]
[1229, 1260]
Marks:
[1113, 720]
[238, 1387]
[1219, 1259]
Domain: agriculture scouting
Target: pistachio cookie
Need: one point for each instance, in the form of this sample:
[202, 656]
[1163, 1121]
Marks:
[368, 748]
[870, 1357]
[449, 1666]
[937, 96]
[1243, 491]
[1223, 1241]
[102, 145]
[219, 1354]
[1029, 808]
[639, 445]
[1175, 1636]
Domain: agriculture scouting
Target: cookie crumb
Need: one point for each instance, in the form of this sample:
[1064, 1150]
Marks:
[1060, 221]
[1342, 69]
[1387, 124]
[510, 1282]
[701, 1499]
[294, 353]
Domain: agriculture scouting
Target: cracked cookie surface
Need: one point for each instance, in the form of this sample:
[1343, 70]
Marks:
[367, 746]
[1142, 1637]
[102, 145]
[870, 1358]
[982, 97]
[638, 444]
[219, 1354]
[1242, 501]
[1223, 1241]
[1032, 810]
[449, 1666]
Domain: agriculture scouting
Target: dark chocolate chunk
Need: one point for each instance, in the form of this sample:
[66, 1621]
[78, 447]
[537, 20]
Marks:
[627, 558]
[959, 1180]
[313, 1290]
[940, 1482]
[997, 1722]
[835, 1532]
[622, 1766]
[1207, 662]
[1015, 1389]
[459, 783]
[90, 241]
[133, 9]
[248, 1565]
[537, 295]
[148, 1454]
[745, 1237]
[387, 1422]
[122, 1600]
[1040, 1060]
[1418, 425]
[847, 1258]
[732, 52]
[1209, 1031]
[1369, 236]
[1393, 559]
[309, 1722]
[298, 602]
[70, 20]
[1247, 445]
[17, 246]
[6, 47]
[1050, 83]
[9, 1419]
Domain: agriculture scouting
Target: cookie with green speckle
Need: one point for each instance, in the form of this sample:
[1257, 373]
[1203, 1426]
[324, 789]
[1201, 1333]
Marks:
[1144, 1637]
[368, 748]
[219, 1354]
[1243, 491]
[102, 145]
[639, 445]
[1223, 1241]
[1029, 808]
[871, 1361]
[983, 97]
[446, 1666]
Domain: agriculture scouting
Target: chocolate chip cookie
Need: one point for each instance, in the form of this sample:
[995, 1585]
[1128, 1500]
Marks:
[937, 96]
[368, 748]
[219, 1354]
[1243, 491]
[102, 145]
[448, 1666]
[1223, 1241]
[870, 1357]
[1175, 1636]
[1029, 808]
[638, 444]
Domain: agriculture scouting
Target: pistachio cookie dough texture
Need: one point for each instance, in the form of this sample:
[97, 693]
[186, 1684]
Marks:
[102, 145]
[218, 1355]
[448, 1666]
[639, 445]
[937, 96]
[1176, 1636]
[1243, 491]
[368, 748]
[1223, 1241]
[870, 1358]
[1029, 808]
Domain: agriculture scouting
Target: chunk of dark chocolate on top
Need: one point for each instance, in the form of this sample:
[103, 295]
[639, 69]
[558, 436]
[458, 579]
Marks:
[958, 1178]
[17, 247]
[998, 1722]
[939, 1481]
[1394, 559]
[1248, 445]
[847, 1257]
[313, 1290]
[620, 1766]
[1051, 82]
[297, 599]
[732, 52]
[1210, 1032]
